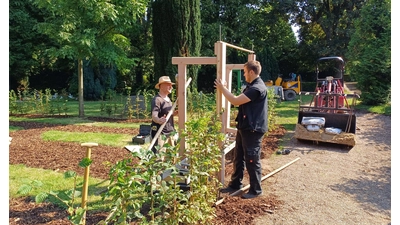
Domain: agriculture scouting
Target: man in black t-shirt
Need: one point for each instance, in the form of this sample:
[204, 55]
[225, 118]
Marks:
[251, 124]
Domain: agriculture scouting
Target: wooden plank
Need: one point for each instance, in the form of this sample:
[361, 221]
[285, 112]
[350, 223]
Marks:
[238, 48]
[133, 148]
[262, 179]
[235, 66]
[194, 60]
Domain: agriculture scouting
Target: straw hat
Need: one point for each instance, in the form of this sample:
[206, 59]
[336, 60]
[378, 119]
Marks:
[162, 80]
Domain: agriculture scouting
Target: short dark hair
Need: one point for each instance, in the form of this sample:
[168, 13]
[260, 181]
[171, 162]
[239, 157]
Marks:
[253, 65]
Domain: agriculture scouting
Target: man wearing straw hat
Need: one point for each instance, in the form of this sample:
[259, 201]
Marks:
[160, 107]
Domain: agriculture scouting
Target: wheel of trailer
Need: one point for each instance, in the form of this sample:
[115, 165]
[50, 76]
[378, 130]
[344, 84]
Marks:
[290, 95]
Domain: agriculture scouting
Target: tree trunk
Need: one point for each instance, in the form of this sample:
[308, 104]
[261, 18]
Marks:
[80, 87]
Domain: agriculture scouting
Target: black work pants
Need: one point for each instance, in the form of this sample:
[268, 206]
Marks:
[247, 153]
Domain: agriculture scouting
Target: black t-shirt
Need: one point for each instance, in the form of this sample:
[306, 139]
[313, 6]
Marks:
[162, 107]
[253, 115]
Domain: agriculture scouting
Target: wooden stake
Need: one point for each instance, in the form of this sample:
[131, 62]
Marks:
[89, 147]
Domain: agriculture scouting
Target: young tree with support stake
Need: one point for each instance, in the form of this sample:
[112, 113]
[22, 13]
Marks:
[90, 29]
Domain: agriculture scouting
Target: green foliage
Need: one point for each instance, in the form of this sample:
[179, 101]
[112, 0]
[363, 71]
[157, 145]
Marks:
[37, 102]
[111, 104]
[85, 162]
[199, 104]
[90, 30]
[139, 110]
[324, 29]
[308, 86]
[12, 102]
[85, 29]
[65, 198]
[25, 43]
[257, 26]
[148, 96]
[145, 184]
[203, 137]
[272, 113]
[370, 53]
[128, 104]
[134, 186]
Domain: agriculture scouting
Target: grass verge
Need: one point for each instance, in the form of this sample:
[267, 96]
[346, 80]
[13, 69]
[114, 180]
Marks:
[74, 121]
[54, 181]
[115, 140]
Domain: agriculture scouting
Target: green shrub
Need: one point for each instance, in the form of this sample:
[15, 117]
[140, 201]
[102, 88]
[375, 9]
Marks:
[144, 185]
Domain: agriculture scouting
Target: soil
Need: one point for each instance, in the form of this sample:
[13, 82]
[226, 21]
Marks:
[324, 183]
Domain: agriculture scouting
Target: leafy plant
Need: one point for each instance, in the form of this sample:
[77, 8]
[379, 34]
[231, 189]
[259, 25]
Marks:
[12, 102]
[133, 186]
[199, 103]
[203, 140]
[272, 118]
[128, 104]
[138, 100]
[65, 198]
[155, 191]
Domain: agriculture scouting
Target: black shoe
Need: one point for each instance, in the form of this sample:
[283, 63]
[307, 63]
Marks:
[250, 195]
[228, 190]
[286, 152]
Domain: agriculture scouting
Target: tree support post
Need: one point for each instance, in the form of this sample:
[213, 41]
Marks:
[89, 147]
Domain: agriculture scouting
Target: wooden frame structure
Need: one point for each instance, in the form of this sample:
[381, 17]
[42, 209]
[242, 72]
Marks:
[224, 72]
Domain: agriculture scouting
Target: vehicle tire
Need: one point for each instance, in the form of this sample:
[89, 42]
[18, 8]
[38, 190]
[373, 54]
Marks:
[290, 95]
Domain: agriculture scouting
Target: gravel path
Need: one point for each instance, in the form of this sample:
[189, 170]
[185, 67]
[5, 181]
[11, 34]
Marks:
[332, 184]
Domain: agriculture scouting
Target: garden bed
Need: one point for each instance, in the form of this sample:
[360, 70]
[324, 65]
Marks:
[29, 149]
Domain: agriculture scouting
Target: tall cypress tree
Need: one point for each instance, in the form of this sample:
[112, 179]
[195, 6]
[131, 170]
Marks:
[176, 33]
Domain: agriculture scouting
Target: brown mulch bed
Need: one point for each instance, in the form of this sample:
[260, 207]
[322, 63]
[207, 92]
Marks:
[29, 149]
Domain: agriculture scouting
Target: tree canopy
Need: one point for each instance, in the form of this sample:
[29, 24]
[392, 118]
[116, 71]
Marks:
[131, 43]
[370, 52]
[90, 30]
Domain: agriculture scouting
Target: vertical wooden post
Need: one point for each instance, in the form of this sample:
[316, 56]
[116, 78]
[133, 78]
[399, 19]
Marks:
[251, 57]
[80, 88]
[182, 104]
[220, 51]
[86, 178]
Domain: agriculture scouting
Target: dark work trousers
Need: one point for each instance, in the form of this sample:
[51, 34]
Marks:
[247, 153]
[153, 133]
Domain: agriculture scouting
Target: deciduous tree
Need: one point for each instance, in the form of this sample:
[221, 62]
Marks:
[90, 30]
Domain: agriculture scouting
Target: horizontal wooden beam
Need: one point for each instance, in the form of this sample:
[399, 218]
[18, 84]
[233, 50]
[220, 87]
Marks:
[234, 66]
[239, 48]
[194, 60]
